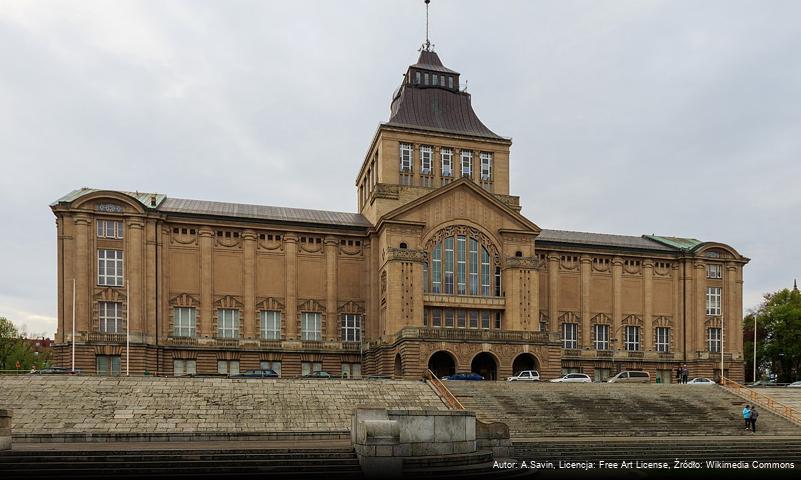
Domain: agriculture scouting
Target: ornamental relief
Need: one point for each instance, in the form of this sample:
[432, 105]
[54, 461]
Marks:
[663, 321]
[632, 319]
[407, 255]
[600, 264]
[228, 301]
[662, 269]
[523, 262]
[602, 319]
[632, 267]
[713, 322]
[184, 236]
[350, 250]
[270, 303]
[352, 307]
[569, 263]
[227, 239]
[271, 242]
[109, 295]
[184, 300]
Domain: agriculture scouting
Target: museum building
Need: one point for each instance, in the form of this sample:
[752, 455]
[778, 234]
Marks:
[438, 270]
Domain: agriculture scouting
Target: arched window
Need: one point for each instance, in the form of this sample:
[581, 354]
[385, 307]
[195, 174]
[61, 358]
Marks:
[461, 262]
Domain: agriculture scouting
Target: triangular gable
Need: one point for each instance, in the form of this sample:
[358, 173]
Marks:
[524, 222]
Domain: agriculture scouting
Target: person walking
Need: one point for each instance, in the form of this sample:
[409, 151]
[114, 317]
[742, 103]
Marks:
[747, 417]
[685, 373]
[754, 416]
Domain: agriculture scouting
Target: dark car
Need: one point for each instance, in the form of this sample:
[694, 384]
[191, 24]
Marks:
[318, 374]
[56, 371]
[263, 373]
[464, 376]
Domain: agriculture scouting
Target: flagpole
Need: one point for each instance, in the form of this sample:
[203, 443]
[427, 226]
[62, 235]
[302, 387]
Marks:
[127, 327]
[755, 342]
[73, 324]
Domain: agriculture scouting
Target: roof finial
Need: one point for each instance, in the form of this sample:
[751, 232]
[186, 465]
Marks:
[427, 45]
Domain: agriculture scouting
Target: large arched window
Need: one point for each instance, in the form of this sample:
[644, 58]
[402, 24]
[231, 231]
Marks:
[462, 261]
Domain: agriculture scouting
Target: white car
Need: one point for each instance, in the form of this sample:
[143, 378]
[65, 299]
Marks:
[573, 378]
[525, 376]
[795, 384]
[701, 381]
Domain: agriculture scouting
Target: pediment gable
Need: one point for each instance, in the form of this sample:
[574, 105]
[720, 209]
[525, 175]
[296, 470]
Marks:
[465, 200]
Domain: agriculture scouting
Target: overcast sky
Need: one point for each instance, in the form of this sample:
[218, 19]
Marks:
[630, 117]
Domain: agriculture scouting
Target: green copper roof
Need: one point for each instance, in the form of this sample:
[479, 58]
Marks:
[141, 197]
[685, 244]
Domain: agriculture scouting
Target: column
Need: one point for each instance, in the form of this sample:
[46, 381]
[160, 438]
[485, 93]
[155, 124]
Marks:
[251, 322]
[586, 328]
[332, 316]
[370, 268]
[291, 249]
[648, 304]
[83, 262]
[553, 291]
[730, 313]
[150, 303]
[699, 281]
[738, 309]
[133, 275]
[63, 284]
[678, 315]
[204, 323]
[617, 302]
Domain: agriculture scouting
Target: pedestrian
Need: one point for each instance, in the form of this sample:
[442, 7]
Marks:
[678, 374]
[685, 373]
[747, 416]
[754, 416]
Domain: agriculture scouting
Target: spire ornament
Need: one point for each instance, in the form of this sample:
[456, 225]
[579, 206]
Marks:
[427, 45]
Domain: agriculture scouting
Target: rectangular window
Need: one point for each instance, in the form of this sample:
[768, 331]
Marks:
[485, 272]
[307, 368]
[435, 79]
[228, 367]
[450, 82]
[108, 365]
[446, 155]
[569, 335]
[713, 271]
[310, 326]
[417, 77]
[467, 163]
[436, 269]
[601, 337]
[448, 318]
[109, 268]
[425, 77]
[461, 265]
[274, 365]
[227, 323]
[713, 342]
[405, 158]
[473, 264]
[426, 285]
[351, 328]
[270, 321]
[713, 301]
[184, 321]
[461, 318]
[111, 317]
[632, 342]
[184, 367]
[662, 339]
[485, 319]
[436, 318]
[426, 154]
[601, 374]
[498, 281]
[473, 318]
[449, 265]
[352, 370]
[497, 320]
[109, 229]
[486, 166]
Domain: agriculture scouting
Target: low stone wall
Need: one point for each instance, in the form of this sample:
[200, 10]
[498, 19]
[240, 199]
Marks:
[5, 430]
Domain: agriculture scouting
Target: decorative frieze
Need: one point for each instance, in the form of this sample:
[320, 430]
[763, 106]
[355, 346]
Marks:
[531, 263]
[406, 255]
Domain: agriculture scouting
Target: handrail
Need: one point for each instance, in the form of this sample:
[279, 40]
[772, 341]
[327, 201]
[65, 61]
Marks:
[442, 391]
[764, 401]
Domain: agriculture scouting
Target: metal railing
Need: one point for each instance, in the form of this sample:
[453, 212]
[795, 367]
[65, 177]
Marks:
[764, 401]
[442, 391]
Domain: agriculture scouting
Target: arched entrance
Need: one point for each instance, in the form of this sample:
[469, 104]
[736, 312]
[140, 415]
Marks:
[398, 366]
[525, 361]
[442, 364]
[484, 364]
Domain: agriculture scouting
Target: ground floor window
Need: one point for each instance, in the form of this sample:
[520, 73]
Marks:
[462, 318]
[228, 367]
[352, 370]
[108, 364]
[271, 365]
[566, 370]
[308, 367]
[184, 367]
[602, 374]
[664, 376]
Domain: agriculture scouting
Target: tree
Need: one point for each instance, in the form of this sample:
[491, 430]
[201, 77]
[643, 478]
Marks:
[778, 335]
[14, 348]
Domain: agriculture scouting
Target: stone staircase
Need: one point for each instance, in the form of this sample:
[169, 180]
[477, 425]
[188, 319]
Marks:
[128, 461]
[67, 408]
[537, 410]
[784, 395]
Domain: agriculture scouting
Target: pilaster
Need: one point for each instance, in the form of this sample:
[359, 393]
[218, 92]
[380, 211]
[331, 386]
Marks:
[83, 261]
[204, 322]
[586, 272]
[251, 322]
[699, 310]
[133, 274]
[291, 259]
[332, 316]
[648, 304]
[553, 291]
[617, 301]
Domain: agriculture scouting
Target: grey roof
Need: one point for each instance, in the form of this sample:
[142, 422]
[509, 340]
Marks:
[142, 197]
[433, 108]
[430, 61]
[602, 239]
[262, 212]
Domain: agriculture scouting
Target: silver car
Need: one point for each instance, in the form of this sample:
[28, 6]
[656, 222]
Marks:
[573, 378]
[525, 376]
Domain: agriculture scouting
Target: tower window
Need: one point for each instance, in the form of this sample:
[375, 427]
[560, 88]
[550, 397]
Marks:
[405, 157]
[425, 78]
[486, 166]
[467, 163]
[426, 153]
[447, 162]
[450, 82]
[435, 78]
[417, 78]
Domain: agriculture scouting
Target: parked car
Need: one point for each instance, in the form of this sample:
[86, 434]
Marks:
[318, 374]
[525, 376]
[263, 373]
[573, 378]
[56, 371]
[464, 376]
[701, 381]
[631, 376]
[795, 384]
